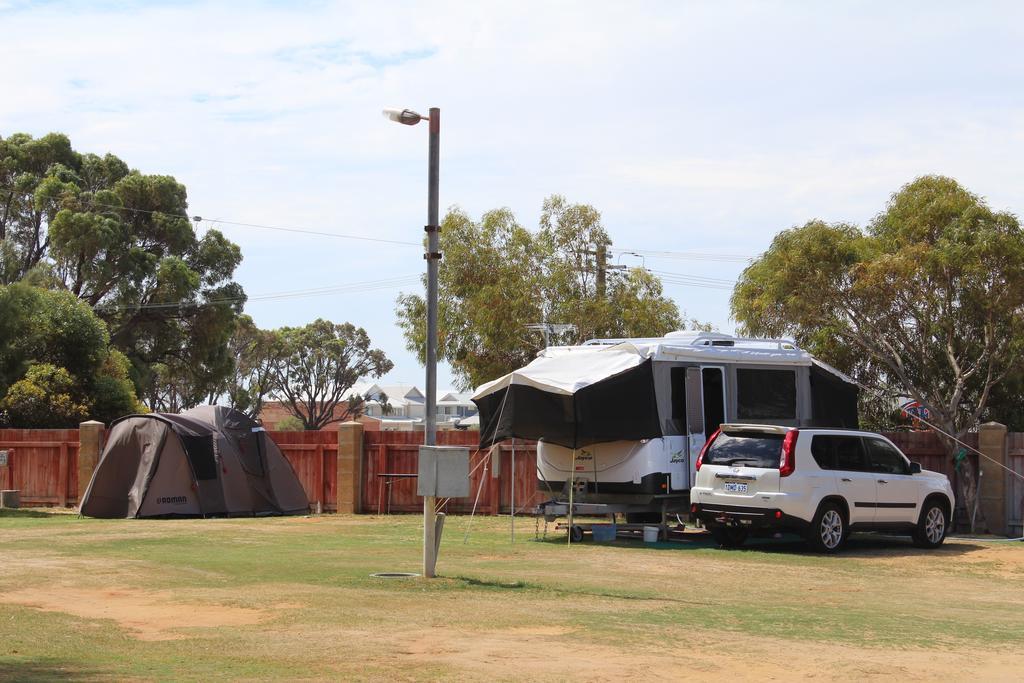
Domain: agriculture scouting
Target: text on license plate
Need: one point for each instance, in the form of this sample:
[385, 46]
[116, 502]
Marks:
[735, 487]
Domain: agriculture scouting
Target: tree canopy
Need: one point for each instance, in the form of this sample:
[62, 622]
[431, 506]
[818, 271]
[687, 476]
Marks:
[314, 366]
[57, 366]
[925, 303]
[122, 242]
[497, 277]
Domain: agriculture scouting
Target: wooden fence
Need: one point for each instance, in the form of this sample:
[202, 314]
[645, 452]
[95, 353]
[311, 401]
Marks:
[314, 456]
[390, 458]
[43, 464]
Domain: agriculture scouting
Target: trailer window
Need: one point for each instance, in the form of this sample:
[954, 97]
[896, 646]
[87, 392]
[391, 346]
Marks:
[766, 394]
[679, 395]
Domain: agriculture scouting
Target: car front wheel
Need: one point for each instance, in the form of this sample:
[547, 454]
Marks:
[933, 525]
[828, 530]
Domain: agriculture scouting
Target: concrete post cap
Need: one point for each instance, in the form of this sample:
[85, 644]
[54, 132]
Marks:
[992, 425]
[91, 423]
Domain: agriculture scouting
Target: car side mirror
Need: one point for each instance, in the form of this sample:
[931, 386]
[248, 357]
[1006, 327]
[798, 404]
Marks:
[915, 468]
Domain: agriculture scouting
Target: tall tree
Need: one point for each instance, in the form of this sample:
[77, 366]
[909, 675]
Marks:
[497, 277]
[255, 353]
[926, 303]
[317, 364]
[122, 242]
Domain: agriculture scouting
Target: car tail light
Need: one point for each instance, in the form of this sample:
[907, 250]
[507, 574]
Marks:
[707, 445]
[787, 463]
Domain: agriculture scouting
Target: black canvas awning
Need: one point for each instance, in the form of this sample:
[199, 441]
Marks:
[573, 400]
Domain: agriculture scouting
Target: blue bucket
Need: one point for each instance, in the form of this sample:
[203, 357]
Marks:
[604, 533]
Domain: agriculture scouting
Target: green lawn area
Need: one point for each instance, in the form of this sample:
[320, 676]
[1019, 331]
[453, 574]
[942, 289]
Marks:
[293, 598]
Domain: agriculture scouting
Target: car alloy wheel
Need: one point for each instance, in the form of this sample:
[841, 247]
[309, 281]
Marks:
[935, 525]
[831, 529]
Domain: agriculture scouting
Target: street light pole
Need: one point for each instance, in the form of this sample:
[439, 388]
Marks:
[408, 117]
[433, 255]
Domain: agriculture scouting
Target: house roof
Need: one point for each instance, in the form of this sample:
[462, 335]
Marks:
[454, 398]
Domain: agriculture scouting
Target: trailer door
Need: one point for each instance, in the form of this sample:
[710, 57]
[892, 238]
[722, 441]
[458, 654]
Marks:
[705, 395]
[713, 394]
[694, 416]
[677, 446]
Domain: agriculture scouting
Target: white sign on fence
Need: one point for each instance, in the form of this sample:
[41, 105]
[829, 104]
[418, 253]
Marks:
[3, 458]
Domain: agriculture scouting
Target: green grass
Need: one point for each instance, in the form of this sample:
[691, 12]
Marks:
[325, 617]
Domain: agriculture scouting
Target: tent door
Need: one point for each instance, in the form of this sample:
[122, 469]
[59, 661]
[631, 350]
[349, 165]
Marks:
[206, 467]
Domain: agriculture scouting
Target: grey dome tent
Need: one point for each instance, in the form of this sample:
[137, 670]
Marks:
[209, 460]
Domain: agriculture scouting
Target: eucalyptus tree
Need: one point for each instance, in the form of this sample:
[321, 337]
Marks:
[497, 278]
[122, 242]
[926, 302]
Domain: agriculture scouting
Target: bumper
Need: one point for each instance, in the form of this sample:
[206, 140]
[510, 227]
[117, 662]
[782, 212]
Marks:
[757, 519]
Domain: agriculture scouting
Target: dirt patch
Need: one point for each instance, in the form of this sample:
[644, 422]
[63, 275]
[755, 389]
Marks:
[146, 615]
[516, 654]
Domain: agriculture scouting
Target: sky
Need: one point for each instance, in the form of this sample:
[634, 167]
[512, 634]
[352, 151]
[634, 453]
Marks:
[697, 128]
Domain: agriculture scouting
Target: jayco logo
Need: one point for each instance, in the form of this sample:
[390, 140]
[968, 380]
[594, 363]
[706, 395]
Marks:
[171, 500]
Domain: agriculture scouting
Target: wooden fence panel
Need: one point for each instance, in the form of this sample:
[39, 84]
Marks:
[314, 457]
[925, 448]
[43, 465]
[387, 454]
[528, 493]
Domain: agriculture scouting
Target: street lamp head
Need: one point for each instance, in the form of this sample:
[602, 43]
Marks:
[406, 116]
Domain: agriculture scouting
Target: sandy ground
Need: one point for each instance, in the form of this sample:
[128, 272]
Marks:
[146, 615]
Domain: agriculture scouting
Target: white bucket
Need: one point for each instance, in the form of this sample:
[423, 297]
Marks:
[651, 534]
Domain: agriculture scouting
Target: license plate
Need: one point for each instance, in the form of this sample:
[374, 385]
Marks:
[735, 487]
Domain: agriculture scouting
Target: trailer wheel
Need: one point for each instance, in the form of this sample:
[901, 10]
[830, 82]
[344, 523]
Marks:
[576, 533]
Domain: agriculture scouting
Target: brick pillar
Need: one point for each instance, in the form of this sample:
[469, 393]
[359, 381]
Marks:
[350, 467]
[90, 445]
[992, 442]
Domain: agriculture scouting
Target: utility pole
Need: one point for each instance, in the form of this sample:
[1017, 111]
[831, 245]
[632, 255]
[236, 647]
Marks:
[601, 257]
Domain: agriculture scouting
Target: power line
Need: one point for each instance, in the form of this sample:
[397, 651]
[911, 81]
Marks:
[351, 288]
[282, 228]
[307, 231]
[684, 255]
[709, 280]
[654, 253]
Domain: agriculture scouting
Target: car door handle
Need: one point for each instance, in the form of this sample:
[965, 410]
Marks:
[846, 479]
[882, 481]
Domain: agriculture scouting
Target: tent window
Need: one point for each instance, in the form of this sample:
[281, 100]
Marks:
[766, 394]
[199, 450]
[250, 453]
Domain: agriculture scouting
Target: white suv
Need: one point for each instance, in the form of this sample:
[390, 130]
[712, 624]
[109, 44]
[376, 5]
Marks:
[821, 483]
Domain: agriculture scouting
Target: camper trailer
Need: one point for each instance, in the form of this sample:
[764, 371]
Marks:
[623, 420]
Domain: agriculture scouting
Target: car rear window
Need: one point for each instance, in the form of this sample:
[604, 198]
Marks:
[750, 450]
